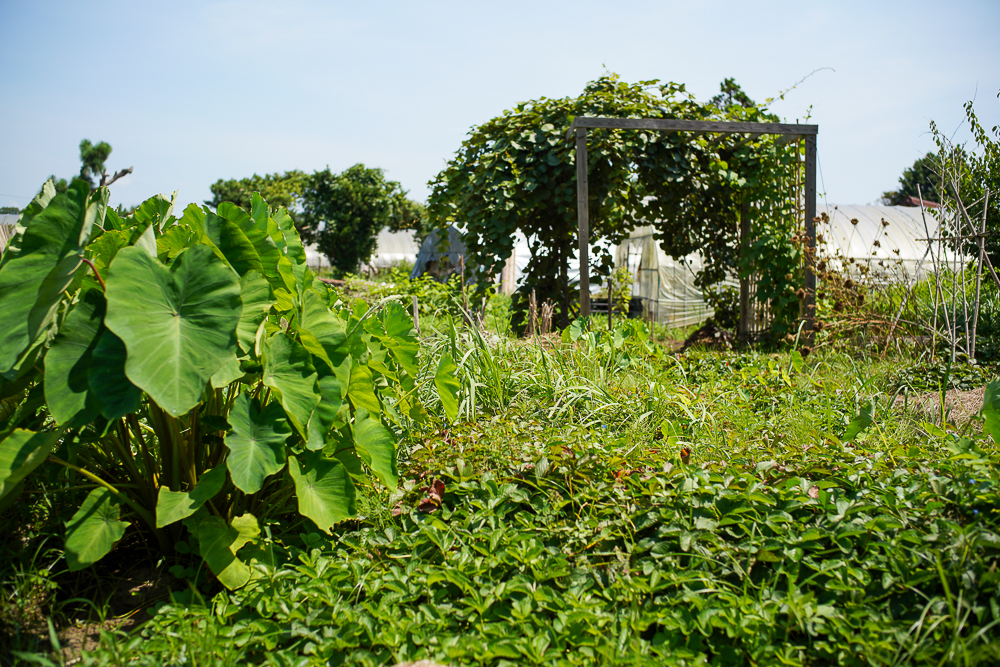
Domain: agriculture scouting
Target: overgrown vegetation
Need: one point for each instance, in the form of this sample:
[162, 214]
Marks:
[516, 173]
[597, 499]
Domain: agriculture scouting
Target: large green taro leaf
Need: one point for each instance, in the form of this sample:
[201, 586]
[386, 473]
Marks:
[398, 336]
[257, 298]
[376, 447]
[448, 385]
[218, 544]
[115, 394]
[329, 411]
[233, 243]
[991, 410]
[262, 244]
[93, 530]
[38, 267]
[173, 506]
[282, 228]
[178, 324]
[67, 364]
[361, 390]
[20, 453]
[289, 371]
[321, 331]
[256, 442]
[323, 488]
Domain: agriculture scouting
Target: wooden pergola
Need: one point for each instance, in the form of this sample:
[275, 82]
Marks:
[787, 131]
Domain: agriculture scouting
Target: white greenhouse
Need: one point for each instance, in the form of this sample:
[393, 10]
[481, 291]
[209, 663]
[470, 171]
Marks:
[667, 286]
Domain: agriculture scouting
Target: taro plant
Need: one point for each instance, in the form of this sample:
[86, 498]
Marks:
[190, 376]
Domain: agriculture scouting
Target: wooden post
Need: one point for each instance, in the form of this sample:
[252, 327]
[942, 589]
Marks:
[744, 325]
[583, 219]
[810, 277]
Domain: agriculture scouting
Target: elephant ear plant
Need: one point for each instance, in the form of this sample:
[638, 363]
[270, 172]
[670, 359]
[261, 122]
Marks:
[187, 377]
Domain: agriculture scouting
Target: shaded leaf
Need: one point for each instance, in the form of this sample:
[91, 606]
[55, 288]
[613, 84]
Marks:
[172, 506]
[93, 530]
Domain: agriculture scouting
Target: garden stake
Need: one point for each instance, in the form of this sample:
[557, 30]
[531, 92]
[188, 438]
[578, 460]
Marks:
[979, 272]
[416, 316]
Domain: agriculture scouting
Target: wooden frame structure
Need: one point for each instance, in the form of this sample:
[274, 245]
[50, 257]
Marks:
[788, 133]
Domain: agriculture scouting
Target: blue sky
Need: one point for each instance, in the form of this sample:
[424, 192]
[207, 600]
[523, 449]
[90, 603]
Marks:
[190, 92]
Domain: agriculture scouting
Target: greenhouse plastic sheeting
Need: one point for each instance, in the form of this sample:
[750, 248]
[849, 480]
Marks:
[901, 250]
[390, 248]
[665, 285]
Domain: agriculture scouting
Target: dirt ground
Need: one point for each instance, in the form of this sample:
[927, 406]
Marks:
[959, 405]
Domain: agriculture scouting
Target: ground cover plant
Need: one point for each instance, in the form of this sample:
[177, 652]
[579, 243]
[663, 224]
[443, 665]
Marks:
[594, 499]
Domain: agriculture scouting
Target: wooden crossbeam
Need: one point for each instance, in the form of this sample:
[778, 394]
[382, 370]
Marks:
[673, 125]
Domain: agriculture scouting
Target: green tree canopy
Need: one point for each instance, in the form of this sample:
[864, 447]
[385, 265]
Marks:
[517, 172]
[924, 173]
[343, 213]
[92, 158]
[93, 171]
[278, 189]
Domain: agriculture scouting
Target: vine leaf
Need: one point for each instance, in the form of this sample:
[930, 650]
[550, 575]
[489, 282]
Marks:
[864, 419]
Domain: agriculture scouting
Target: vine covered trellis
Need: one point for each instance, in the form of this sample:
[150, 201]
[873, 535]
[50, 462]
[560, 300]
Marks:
[517, 173]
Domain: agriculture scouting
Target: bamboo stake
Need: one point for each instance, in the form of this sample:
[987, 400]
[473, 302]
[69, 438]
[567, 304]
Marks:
[937, 274]
[416, 316]
[979, 272]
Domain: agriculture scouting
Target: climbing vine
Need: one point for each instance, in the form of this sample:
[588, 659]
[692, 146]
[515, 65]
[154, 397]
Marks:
[517, 173]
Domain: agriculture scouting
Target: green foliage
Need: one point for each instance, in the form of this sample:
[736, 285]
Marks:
[831, 557]
[516, 173]
[93, 157]
[924, 173]
[621, 282]
[279, 190]
[343, 213]
[206, 373]
[9, 210]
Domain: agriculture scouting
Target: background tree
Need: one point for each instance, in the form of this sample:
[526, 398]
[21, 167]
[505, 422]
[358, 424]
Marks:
[8, 210]
[409, 215]
[517, 172]
[924, 173]
[277, 189]
[343, 213]
[92, 158]
[92, 167]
